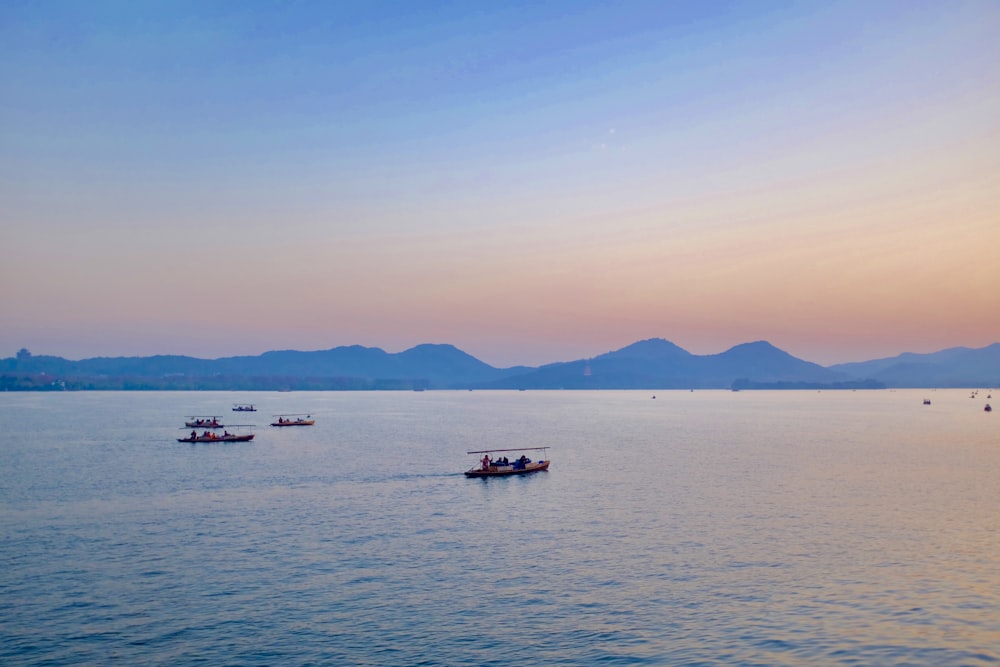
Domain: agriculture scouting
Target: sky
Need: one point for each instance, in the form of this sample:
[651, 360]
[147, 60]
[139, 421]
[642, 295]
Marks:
[529, 181]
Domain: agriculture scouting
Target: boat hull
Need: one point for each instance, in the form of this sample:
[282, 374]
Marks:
[304, 422]
[221, 438]
[506, 471]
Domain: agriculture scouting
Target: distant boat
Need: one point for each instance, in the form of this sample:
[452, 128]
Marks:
[988, 408]
[211, 421]
[502, 467]
[244, 407]
[209, 436]
[293, 420]
[927, 401]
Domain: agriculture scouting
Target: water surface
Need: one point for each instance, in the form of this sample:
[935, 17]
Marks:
[693, 528]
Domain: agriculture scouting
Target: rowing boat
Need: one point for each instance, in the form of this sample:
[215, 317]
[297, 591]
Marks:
[226, 436]
[210, 421]
[293, 420]
[503, 466]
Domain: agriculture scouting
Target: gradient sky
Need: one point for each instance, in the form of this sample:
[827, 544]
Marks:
[529, 181]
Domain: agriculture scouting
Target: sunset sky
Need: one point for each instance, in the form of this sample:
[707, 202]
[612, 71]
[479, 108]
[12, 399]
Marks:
[528, 181]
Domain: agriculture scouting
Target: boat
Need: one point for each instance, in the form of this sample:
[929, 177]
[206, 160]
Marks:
[226, 436]
[293, 420]
[988, 408]
[244, 407]
[211, 421]
[502, 467]
[927, 401]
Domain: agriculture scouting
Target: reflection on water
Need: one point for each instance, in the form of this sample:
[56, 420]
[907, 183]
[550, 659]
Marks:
[778, 528]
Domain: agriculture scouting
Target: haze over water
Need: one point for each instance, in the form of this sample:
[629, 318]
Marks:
[693, 528]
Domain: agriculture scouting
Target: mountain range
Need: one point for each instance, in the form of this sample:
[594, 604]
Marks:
[649, 364]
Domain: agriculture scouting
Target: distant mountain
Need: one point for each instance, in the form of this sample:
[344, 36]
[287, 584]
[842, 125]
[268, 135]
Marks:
[648, 364]
[348, 367]
[660, 364]
[954, 367]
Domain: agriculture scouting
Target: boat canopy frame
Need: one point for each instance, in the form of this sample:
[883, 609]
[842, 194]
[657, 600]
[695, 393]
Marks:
[516, 449]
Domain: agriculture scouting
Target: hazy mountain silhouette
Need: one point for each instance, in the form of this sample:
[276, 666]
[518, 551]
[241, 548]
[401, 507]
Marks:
[953, 367]
[648, 364]
[660, 364]
[347, 367]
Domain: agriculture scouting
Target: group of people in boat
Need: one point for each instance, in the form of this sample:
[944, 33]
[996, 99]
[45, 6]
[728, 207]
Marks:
[209, 435]
[518, 463]
[213, 422]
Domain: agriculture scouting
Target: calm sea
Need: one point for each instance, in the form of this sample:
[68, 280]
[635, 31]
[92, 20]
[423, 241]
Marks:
[693, 528]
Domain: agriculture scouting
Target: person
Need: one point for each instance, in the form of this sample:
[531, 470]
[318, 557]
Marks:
[194, 434]
[486, 461]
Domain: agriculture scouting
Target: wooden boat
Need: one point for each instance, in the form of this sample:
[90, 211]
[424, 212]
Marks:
[211, 421]
[503, 467]
[293, 420]
[209, 436]
[244, 407]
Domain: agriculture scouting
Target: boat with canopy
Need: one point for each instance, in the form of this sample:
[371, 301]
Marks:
[294, 420]
[244, 407]
[202, 421]
[503, 466]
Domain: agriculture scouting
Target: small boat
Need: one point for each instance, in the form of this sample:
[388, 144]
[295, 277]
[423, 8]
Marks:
[293, 420]
[927, 401]
[211, 421]
[244, 407]
[502, 467]
[988, 408]
[226, 436]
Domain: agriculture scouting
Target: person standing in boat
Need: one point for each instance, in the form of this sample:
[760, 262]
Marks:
[486, 461]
